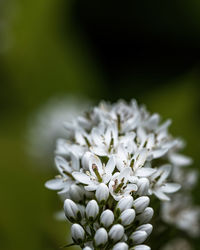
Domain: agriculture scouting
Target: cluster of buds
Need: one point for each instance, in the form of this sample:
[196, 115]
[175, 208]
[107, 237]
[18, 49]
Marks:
[114, 159]
[100, 222]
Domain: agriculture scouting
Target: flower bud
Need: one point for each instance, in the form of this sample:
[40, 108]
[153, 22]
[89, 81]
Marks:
[143, 186]
[102, 193]
[141, 203]
[85, 160]
[101, 237]
[121, 246]
[87, 248]
[78, 233]
[107, 218]
[92, 210]
[145, 227]
[141, 247]
[76, 193]
[137, 237]
[145, 216]
[124, 203]
[71, 210]
[116, 232]
[127, 217]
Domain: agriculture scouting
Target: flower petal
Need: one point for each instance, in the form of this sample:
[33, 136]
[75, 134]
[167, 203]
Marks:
[62, 164]
[145, 172]
[180, 160]
[110, 166]
[82, 178]
[170, 187]
[161, 195]
[55, 184]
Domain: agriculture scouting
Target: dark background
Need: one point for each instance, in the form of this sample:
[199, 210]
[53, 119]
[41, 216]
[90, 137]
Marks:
[148, 50]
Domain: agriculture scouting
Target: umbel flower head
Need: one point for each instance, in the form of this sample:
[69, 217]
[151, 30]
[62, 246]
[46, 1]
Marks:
[114, 159]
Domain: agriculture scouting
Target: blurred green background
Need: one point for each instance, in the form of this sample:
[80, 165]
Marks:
[148, 50]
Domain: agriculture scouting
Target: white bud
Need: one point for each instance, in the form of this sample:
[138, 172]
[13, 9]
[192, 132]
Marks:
[145, 216]
[121, 246]
[71, 210]
[141, 247]
[143, 186]
[101, 237]
[107, 218]
[127, 217]
[125, 203]
[102, 193]
[145, 227]
[87, 248]
[78, 233]
[141, 203]
[92, 210]
[85, 160]
[116, 232]
[76, 193]
[138, 237]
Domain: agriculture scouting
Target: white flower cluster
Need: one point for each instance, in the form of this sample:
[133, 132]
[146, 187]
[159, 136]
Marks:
[114, 158]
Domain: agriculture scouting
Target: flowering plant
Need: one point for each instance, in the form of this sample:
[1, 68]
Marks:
[115, 159]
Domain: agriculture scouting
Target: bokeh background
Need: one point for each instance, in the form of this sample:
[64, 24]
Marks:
[148, 50]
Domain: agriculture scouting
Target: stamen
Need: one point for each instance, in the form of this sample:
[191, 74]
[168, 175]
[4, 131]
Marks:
[118, 189]
[95, 169]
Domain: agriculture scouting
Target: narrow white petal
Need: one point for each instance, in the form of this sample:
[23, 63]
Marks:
[159, 153]
[54, 184]
[110, 165]
[161, 195]
[82, 178]
[62, 164]
[180, 160]
[145, 172]
[171, 187]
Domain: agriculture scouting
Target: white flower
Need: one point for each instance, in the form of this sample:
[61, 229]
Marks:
[64, 181]
[107, 218]
[101, 237]
[98, 173]
[159, 187]
[119, 185]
